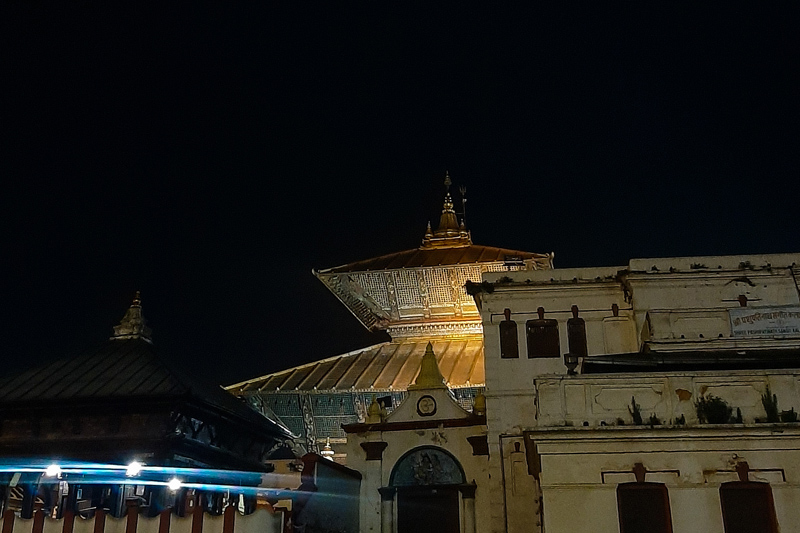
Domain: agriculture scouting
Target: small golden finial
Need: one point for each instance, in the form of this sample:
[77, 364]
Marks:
[133, 325]
[374, 412]
[479, 405]
[451, 233]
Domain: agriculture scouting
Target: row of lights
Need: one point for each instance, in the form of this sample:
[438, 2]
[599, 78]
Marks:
[133, 469]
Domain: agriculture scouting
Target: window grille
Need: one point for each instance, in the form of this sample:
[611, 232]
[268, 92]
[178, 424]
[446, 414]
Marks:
[375, 286]
[495, 267]
[331, 426]
[333, 404]
[462, 275]
[465, 396]
[295, 424]
[283, 404]
[407, 288]
[440, 291]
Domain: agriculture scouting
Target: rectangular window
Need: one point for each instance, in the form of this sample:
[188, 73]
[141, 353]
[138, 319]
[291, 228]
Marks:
[509, 345]
[576, 335]
[542, 337]
[643, 508]
[747, 507]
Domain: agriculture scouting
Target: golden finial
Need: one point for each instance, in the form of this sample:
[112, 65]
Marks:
[429, 377]
[451, 233]
[374, 412]
[479, 405]
[133, 325]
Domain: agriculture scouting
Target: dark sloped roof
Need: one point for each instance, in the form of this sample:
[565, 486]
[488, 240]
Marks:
[388, 366]
[427, 257]
[693, 361]
[117, 370]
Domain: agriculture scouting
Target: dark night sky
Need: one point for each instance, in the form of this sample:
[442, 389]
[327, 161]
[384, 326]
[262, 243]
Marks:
[210, 155]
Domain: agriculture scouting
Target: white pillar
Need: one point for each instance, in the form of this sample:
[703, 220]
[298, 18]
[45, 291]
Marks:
[387, 509]
[468, 497]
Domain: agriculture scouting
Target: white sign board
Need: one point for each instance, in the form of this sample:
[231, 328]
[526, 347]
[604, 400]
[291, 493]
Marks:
[749, 321]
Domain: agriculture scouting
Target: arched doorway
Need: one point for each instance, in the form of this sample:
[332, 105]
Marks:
[427, 481]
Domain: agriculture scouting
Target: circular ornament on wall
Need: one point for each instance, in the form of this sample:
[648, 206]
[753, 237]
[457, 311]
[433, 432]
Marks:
[426, 406]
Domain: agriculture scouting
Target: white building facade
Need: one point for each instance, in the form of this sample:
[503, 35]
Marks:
[658, 396]
[425, 465]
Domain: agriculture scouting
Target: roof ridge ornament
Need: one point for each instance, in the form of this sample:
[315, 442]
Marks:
[451, 233]
[133, 325]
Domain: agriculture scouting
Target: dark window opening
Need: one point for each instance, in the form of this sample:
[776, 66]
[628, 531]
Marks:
[509, 345]
[576, 334]
[643, 508]
[542, 337]
[747, 507]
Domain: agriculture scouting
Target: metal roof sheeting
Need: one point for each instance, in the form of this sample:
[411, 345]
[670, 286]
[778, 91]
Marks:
[388, 366]
[120, 371]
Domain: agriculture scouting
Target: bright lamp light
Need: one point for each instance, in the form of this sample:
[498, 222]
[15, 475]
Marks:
[133, 468]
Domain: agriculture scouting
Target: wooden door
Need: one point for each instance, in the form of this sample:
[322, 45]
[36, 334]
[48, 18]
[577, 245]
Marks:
[422, 509]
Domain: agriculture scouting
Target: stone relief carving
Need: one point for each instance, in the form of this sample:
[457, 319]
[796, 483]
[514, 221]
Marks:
[427, 466]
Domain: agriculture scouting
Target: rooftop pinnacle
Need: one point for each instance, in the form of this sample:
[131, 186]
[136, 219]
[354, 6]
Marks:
[133, 325]
[450, 233]
[429, 377]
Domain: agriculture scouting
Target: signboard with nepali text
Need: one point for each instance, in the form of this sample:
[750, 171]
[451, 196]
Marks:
[749, 321]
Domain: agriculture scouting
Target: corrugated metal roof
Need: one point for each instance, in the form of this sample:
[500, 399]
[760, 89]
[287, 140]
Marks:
[119, 368]
[115, 371]
[388, 366]
[435, 257]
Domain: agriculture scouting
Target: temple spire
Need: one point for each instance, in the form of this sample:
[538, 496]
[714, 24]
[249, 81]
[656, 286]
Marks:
[133, 325]
[429, 377]
[450, 233]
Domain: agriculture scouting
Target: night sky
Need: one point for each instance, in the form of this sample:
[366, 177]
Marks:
[210, 155]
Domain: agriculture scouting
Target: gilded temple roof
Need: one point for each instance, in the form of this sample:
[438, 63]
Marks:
[425, 286]
[432, 257]
[387, 366]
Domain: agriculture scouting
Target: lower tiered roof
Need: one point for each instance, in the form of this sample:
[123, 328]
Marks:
[387, 366]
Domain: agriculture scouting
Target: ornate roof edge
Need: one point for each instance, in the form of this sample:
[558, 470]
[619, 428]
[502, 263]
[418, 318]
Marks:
[360, 304]
[541, 261]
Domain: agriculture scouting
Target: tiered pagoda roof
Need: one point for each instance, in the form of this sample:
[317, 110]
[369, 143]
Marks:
[121, 400]
[417, 296]
[382, 367]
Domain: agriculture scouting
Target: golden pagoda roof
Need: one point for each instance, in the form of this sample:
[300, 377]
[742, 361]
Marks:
[425, 285]
[387, 366]
[431, 257]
